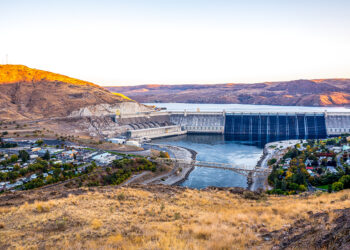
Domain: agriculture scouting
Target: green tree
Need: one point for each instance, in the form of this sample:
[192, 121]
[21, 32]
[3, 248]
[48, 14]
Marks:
[47, 155]
[13, 158]
[39, 142]
[337, 186]
[329, 188]
[23, 155]
[271, 161]
[345, 179]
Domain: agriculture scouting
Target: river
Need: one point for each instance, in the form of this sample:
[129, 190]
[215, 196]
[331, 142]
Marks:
[214, 148]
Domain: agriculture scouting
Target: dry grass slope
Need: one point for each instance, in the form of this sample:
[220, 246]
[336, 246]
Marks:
[156, 218]
[20, 73]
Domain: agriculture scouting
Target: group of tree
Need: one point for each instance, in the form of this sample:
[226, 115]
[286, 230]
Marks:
[7, 144]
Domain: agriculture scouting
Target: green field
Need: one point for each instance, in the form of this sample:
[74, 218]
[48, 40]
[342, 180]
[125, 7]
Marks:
[323, 187]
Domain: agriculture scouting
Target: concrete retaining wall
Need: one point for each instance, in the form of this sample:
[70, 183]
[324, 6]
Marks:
[152, 133]
[337, 123]
[200, 123]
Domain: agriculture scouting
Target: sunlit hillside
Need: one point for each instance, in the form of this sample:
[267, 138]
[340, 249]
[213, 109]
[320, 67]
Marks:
[20, 73]
[27, 93]
[159, 217]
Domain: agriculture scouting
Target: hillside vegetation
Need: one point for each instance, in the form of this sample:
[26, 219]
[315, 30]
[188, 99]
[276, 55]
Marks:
[322, 92]
[161, 217]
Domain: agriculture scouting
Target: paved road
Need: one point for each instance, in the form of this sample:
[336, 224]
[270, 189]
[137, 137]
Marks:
[339, 162]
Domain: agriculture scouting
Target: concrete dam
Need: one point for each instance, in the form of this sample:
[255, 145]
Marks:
[243, 126]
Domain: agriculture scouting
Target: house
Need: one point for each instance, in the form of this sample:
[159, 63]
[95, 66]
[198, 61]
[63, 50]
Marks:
[104, 158]
[331, 170]
[133, 143]
[310, 173]
[308, 162]
[34, 156]
[336, 149]
[33, 176]
[117, 140]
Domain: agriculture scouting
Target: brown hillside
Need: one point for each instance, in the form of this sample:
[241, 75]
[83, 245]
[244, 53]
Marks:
[165, 217]
[27, 93]
[321, 92]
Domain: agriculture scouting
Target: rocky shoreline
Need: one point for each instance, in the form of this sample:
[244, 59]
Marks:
[193, 156]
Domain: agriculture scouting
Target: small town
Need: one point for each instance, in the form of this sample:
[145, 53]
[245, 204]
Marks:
[312, 165]
[27, 164]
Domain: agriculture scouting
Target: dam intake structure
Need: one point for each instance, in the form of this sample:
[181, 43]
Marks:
[241, 126]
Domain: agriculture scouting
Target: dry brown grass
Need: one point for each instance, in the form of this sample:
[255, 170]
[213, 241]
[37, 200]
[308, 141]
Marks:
[185, 219]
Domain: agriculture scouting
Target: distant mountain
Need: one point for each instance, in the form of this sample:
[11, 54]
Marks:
[27, 93]
[322, 92]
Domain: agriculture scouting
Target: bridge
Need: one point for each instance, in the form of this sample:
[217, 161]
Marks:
[243, 170]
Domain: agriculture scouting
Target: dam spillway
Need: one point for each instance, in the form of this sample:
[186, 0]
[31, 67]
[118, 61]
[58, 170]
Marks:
[274, 127]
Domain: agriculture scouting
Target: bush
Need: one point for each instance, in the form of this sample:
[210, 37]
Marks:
[337, 186]
[345, 179]
[271, 161]
[121, 197]
[302, 188]
[344, 197]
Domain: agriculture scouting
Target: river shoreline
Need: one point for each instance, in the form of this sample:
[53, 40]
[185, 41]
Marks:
[193, 156]
[271, 150]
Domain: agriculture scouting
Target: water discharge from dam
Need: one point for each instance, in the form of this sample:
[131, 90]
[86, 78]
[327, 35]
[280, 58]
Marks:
[274, 127]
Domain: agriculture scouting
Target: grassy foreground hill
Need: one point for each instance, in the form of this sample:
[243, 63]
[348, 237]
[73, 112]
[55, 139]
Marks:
[162, 217]
[27, 93]
[321, 92]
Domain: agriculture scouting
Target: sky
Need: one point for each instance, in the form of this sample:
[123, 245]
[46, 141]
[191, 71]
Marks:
[132, 42]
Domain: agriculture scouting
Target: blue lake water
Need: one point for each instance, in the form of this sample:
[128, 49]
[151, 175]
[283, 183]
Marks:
[245, 107]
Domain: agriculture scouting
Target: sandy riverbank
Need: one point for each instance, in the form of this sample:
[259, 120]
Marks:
[180, 171]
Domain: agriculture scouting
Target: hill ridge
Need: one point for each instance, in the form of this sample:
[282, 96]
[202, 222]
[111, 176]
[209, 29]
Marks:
[302, 92]
[15, 73]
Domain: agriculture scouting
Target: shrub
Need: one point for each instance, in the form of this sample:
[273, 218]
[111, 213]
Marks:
[344, 197]
[271, 161]
[302, 188]
[345, 179]
[41, 208]
[177, 216]
[121, 197]
[337, 186]
[96, 224]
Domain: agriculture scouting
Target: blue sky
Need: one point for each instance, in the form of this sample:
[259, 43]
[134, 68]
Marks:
[173, 42]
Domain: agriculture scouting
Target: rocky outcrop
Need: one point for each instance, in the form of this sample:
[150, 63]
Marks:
[110, 109]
